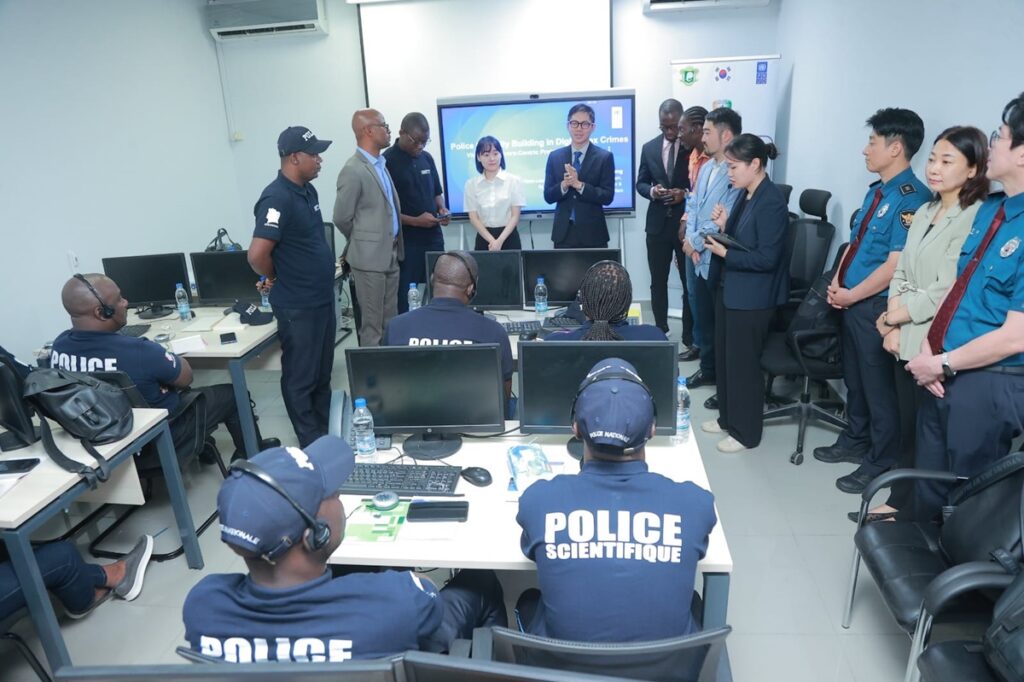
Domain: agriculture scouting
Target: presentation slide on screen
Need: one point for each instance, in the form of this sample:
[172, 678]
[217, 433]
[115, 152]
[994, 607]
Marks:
[530, 129]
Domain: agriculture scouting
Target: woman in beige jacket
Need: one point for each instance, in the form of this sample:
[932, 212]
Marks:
[927, 269]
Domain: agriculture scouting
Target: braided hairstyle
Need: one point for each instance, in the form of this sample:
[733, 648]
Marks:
[605, 295]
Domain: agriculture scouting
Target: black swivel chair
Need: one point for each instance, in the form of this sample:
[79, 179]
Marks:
[907, 558]
[16, 640]
[787, 192]
[692, 658]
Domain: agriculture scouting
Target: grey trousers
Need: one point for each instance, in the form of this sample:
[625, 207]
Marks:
[378, 300]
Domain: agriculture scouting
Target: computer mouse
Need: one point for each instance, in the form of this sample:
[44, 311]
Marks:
[527, 336]
[478, 476]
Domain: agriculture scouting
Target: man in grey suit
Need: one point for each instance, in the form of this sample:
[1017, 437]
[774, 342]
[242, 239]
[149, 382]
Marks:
[366, 211]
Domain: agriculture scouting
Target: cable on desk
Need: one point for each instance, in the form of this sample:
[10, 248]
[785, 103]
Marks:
[490, 435]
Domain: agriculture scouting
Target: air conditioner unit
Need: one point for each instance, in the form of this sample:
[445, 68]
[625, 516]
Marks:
[654, 6]
[234, 19]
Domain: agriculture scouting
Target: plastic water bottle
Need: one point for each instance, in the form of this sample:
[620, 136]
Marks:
[682, 433]
[414, 296]
[540, 297]
[264, 296]
[362, 429]
[181, 299]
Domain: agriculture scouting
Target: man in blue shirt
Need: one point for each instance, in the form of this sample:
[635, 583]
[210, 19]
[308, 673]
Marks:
[290, 249]
[860, 289]
[713, 187]
[288, 607]
[97, 312]
[422, 198]
[616, 546]
[605, 296]
[972, 362]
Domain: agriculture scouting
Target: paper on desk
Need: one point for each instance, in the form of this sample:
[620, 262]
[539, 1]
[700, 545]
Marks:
[202, 324]
[230, 323]
[7, 482]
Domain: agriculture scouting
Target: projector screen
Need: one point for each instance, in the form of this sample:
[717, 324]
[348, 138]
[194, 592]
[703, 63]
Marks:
[529, 127]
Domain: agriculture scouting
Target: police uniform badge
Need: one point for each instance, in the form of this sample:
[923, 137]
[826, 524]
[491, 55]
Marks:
[882, 211]
[906, 218]
[1009, 247]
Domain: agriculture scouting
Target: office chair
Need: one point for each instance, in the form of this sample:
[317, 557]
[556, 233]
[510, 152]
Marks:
[16, 640]
[787, 192]
[692, 658]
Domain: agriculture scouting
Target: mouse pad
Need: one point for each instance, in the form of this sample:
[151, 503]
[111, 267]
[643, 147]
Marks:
[368, 524]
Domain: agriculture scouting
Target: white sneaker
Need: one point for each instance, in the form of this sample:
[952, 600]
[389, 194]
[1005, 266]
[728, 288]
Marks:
[730, 444]
[711, 426]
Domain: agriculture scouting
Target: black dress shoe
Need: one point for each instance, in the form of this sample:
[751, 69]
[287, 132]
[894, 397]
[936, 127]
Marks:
[855, 482]
[699, 378]
[265, 444]
[871, 517]
[711, 403]
[831, 454]
[691, 353]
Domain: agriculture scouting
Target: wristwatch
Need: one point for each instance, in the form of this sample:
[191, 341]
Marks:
[947, 371]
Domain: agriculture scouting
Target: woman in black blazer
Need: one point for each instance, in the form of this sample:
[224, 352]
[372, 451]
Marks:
[750, 286]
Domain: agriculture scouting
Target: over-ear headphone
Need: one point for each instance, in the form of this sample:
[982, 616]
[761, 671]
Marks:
[579, 291]
[106, 312]
[607, 373]
[319, 532]
[472, 277]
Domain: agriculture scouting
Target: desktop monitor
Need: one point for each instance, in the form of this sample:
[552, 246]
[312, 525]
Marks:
[222, 277]
[15, 414]
[499, 284]
[562, 270]
[550, 374]
[216, 671]
[432, 392]
[149, 281]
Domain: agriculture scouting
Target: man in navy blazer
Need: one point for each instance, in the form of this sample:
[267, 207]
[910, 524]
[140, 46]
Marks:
[580, 180]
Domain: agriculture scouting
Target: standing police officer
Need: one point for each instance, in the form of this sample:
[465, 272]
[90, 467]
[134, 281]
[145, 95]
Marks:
[616, 546]
[860, 289]
[289, 248]
[972, 362]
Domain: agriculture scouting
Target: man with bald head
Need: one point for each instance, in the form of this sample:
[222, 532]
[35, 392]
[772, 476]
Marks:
[97, 312]
[367, 211]
[448, 320]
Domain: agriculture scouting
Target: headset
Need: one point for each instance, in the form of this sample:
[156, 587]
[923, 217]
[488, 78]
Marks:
[472, 277]
[319, 532]
[106, 312]
[608, 373]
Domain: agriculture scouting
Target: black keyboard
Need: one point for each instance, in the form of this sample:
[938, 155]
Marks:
[562, 322]
[521, 326]
[134, 329]
[404, 479]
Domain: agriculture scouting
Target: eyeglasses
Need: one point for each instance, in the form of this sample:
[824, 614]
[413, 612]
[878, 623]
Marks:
[995, 137]
[420, 143]
[385, 126]
[581, 125]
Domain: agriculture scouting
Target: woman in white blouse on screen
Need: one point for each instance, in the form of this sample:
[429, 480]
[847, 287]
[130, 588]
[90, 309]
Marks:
[494, 199]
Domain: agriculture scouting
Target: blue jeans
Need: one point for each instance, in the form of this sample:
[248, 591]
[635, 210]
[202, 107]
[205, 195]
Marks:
[702, 305]
[64, 573]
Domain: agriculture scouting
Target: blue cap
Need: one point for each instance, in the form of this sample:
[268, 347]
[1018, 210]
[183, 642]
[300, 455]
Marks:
[614, 408]
[250, 313]
[300, 139]
[256, 518]
[360, 402]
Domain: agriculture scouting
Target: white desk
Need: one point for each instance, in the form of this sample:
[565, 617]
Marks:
[490, 537]
[48, 489]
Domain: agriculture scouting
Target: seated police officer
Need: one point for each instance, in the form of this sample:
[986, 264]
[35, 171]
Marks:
[616, 546]
[97, 312]
[288, 607]
[448, 320]
[605, 294]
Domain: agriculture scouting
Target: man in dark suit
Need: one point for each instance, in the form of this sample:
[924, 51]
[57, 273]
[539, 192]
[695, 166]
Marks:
[663, 180]
[580, 180]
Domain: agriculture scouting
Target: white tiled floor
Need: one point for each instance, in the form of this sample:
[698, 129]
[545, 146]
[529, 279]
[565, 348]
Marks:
[786, 526]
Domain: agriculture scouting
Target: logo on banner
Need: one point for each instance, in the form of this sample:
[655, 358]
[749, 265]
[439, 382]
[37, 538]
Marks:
[718, 103]
[723, 73]
[688, 75]
[761, 77]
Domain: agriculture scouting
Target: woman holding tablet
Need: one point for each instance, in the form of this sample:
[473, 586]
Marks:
[494, 199]
[751, 280]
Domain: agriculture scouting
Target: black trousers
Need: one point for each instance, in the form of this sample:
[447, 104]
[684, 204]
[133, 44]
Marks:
[871, 404]
[661, 247]
[512, 242]
[909, 396]
[965, 431]
[472, 599]
[739, 342]
[220, 409]
[414, 267]
[576, 238]
[307, 358]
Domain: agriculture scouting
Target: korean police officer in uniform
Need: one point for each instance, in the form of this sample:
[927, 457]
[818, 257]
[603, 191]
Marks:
[860, 289]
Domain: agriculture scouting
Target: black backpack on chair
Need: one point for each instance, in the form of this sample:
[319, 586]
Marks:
[91, 410]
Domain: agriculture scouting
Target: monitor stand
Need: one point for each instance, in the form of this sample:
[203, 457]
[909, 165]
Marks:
[155, 312]
[9, 440]
[575, 448]
[432, 445]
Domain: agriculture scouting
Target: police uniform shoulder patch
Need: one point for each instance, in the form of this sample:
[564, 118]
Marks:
[907, 188]
[906, 218]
